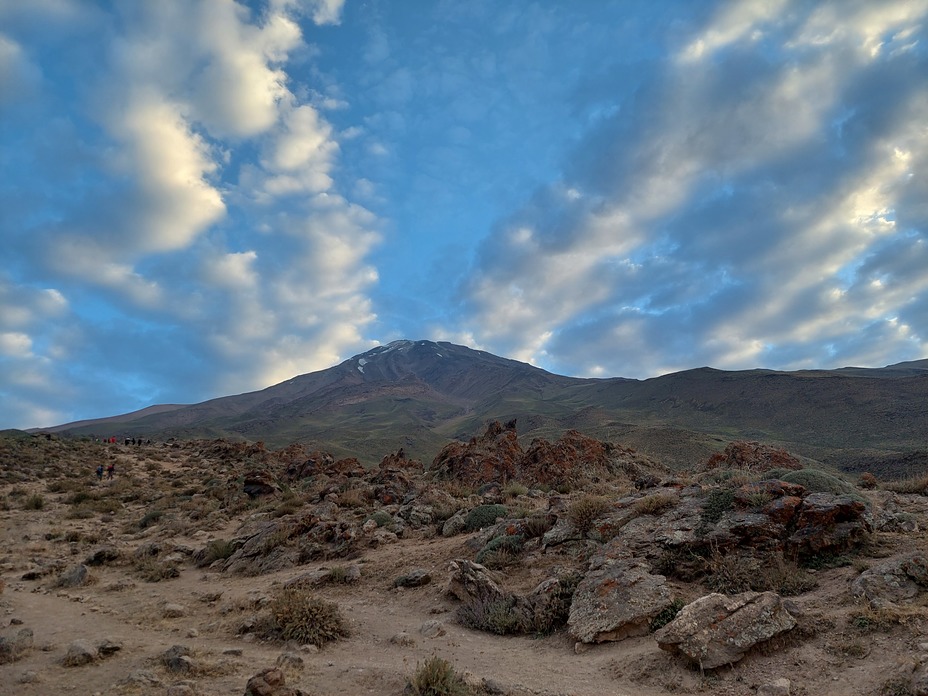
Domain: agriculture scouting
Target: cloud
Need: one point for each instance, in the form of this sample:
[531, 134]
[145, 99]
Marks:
[199, 227]
[737, 213]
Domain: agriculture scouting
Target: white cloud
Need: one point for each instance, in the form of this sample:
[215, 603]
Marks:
[714, 223]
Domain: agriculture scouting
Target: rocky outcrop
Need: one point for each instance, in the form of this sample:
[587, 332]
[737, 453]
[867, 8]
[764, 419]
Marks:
[259, 483]
[617, 600]
[828, 523]
[494, 456]
[393, 481]
[469, 580]
[752, 456]
[898, 580]
[718, 630]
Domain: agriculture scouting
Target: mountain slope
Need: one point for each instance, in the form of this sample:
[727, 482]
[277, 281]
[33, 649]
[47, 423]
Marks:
[420, 394]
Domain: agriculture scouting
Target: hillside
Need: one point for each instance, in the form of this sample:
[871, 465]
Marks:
[418, 394]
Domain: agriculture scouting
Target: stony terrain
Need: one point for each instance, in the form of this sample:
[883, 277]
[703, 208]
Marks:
[571, 566]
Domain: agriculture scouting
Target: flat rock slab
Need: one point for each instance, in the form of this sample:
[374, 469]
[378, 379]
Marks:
[618, 600]
[718, 630]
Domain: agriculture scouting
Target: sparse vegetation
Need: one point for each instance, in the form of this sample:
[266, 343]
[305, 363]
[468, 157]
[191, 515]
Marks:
[585, 510]
[667, 614]
[296, 614]
[501, 551]
[437, 677]
[655, 504]
[215, 550]
[483, 516]
[34, 502]
[816, 481]
[718, 502]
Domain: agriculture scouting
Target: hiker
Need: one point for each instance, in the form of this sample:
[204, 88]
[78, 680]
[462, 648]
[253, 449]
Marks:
[100, 473]
[110, 470]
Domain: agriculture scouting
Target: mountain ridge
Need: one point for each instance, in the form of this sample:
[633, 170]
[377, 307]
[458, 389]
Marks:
[420, 394]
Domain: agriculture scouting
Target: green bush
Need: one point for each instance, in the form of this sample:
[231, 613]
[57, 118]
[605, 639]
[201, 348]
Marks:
[816, 481]
[382, 518]
[501, 545]
[301, 616]
[436, 677]
[483, 516]
[718, 502]
[499, 616]
[667, 614]
[217, 549]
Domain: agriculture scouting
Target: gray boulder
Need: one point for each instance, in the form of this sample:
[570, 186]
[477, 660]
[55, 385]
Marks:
[718, 630]
[617, 600]
[13, 647]
[80, 653]
[897, 580]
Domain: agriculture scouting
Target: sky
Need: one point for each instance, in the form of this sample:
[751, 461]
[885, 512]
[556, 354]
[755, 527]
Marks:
[204, 197]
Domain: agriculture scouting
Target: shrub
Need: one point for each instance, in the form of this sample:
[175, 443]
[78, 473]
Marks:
[583, 511]
[436, 677]
[514, 489]
[34, 502]
[150, 569]
[150, 518]
[816, 481]
[718, 502]
[507, 546]
[483, 516]
[536, 526]
[667, 614]
[867, 481]
[499, 616]
[382, 518]
[913, 484]
[654, 504]
[217, 549]
[301, 616]
[733, 573]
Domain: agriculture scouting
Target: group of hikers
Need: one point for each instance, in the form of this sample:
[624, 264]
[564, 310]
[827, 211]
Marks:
[110, 471]
[133, 441]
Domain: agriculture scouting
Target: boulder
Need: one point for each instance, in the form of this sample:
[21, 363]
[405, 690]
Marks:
[829, 523]
[80, 653]
[259, 483]
[471, 580]
[414, 578]
[13, 647]
[618, 600]
[718, 630]
[492, 457]
[270, 682]
[75, 576]
[103, 555]
[899, 579]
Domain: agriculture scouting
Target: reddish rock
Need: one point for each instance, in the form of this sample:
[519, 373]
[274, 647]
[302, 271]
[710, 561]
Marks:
[829, 523]
[258, 483]
[492, 457]
[783, 510]
[394, 480]
[571, 457]
[270, 682]
[752, 456]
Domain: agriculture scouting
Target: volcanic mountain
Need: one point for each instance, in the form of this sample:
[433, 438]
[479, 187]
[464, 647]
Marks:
[420, 394]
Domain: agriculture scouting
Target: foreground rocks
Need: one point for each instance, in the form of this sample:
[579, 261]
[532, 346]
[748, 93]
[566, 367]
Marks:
[717, 630]
[617, 600]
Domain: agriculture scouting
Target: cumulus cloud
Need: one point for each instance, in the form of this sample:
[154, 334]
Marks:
[202, 218]
[743, 211]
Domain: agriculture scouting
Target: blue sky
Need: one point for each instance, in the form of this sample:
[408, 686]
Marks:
[203, 197]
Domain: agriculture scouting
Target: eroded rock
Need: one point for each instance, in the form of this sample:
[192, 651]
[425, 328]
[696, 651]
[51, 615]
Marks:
[718, 630]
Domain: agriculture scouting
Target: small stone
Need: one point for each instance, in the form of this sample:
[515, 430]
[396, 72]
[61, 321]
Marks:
[778, 687]
[16, 622]
[108, 647]
[80, 653]
[193, 633]
[404, 639]
[233, 652]
[289, 660]
[173, 611]
[29, 678]
[309, 648]
[177, 659]
[414, 578]
[432, 629]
